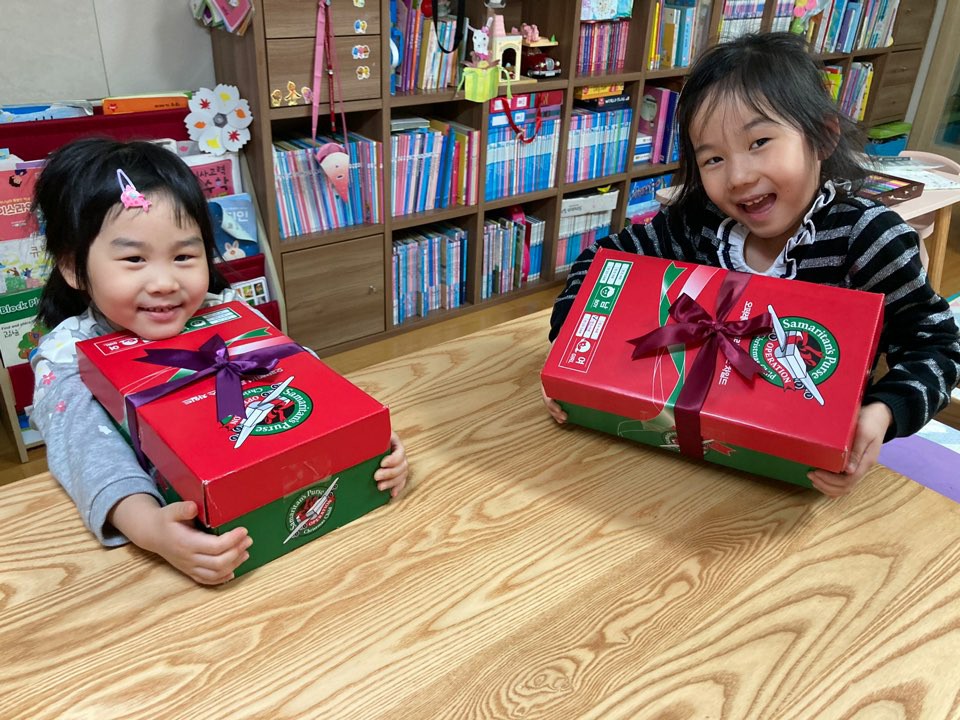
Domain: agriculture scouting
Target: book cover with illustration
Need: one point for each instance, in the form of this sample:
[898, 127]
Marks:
[234, 226]
[16, 192]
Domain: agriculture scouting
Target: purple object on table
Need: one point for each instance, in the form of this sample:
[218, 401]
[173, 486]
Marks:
[926, 462]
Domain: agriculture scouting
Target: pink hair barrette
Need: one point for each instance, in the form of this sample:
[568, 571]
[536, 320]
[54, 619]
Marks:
[129, 195]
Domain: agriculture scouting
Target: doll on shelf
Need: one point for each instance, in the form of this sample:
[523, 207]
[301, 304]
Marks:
[480, 56]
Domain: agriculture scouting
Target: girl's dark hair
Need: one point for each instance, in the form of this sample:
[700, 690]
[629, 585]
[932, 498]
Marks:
[78, 189]
[775, 75]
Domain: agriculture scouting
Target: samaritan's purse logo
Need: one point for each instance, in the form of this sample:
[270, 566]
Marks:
[799, 355]
[310, 510]
[270, 409]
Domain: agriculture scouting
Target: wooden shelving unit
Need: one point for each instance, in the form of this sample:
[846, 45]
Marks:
[337, 284]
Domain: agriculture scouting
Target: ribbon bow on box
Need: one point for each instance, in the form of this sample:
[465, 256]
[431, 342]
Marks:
[695, 326]
[213, 358]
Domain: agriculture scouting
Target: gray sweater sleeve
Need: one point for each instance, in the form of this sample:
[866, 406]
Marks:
[85, 452]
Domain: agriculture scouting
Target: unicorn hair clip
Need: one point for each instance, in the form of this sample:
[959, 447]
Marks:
[129, 195]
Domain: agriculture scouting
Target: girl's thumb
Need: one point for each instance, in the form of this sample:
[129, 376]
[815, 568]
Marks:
[185, 510]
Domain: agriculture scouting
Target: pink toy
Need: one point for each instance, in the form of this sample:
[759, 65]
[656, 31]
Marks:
[129, 195]
[335, 164]
[530, 33]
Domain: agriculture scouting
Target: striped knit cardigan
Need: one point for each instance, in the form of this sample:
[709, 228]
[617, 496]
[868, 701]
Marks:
[843, 241]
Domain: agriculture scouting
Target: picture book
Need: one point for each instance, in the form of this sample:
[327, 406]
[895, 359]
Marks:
[234, 226]
[218, 175]
[16, 192]
[653, 111]
[23, 263]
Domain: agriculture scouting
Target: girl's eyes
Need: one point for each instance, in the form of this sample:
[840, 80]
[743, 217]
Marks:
[712, 161]
[136, 259]
[760, 143]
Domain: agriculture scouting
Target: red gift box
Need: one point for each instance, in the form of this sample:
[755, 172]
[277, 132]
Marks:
[309, 428]
[800, 411]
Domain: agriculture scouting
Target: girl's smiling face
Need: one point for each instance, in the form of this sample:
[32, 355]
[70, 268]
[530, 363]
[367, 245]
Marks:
[757, 169]
[147, 272]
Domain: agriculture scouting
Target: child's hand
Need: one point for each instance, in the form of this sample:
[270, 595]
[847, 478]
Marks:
[392, 474]
[872, 427]
[169, 532]
[553, 407]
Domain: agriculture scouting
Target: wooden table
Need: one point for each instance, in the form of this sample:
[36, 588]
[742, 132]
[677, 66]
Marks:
[532, 571]
[939, 202]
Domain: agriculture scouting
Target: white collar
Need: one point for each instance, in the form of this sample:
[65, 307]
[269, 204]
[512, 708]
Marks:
[733, 235]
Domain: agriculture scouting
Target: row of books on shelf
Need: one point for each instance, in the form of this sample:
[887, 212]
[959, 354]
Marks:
[783, 16]
[740, 17]
[855, 90]
[423, 65]
[583, 219]
[597, 143]
[592, 10]
[657, 128]
[514, 166]
[435, 164]
[603, 46]
[429, 271]
[308, 201]
[678, 33]
[848, 25]
[512, 252]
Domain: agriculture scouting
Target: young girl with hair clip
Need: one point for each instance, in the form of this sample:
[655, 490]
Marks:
[129, 233]
[769, 167]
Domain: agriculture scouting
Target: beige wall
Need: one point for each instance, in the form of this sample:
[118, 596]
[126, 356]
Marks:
[87, 49]
[938, 85]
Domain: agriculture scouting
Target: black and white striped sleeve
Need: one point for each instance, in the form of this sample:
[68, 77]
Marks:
[919, 337]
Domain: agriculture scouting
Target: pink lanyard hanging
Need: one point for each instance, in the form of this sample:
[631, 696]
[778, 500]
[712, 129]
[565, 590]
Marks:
[324, 62]
[521, 132]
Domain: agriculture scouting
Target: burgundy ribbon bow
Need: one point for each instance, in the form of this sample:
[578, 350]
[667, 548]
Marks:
[695, 326]
[213, 358]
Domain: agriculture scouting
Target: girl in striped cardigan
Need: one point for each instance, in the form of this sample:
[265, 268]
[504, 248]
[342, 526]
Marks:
[769, 167]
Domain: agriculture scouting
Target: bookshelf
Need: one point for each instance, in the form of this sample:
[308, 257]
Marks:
[337, 284]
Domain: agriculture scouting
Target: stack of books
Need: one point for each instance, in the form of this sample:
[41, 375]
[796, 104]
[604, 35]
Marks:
[512, 252]
[856, 90]
[603, 46]
[583, 220]
[513, 166]
[435, 164]
[307, 201]
[423, 65]
[429, 271]
[740, 17]
[657, 110]
[599, 133]
[848, 25]
[678, 32]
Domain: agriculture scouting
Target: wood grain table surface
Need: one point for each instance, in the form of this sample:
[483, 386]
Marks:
[531, 571]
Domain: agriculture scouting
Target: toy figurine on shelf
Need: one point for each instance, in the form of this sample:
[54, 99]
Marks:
[482, 72]
[480, 55]
[536, 63]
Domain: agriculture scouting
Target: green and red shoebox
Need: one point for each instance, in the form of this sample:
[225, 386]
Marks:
[302, 468]
[798, 412]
